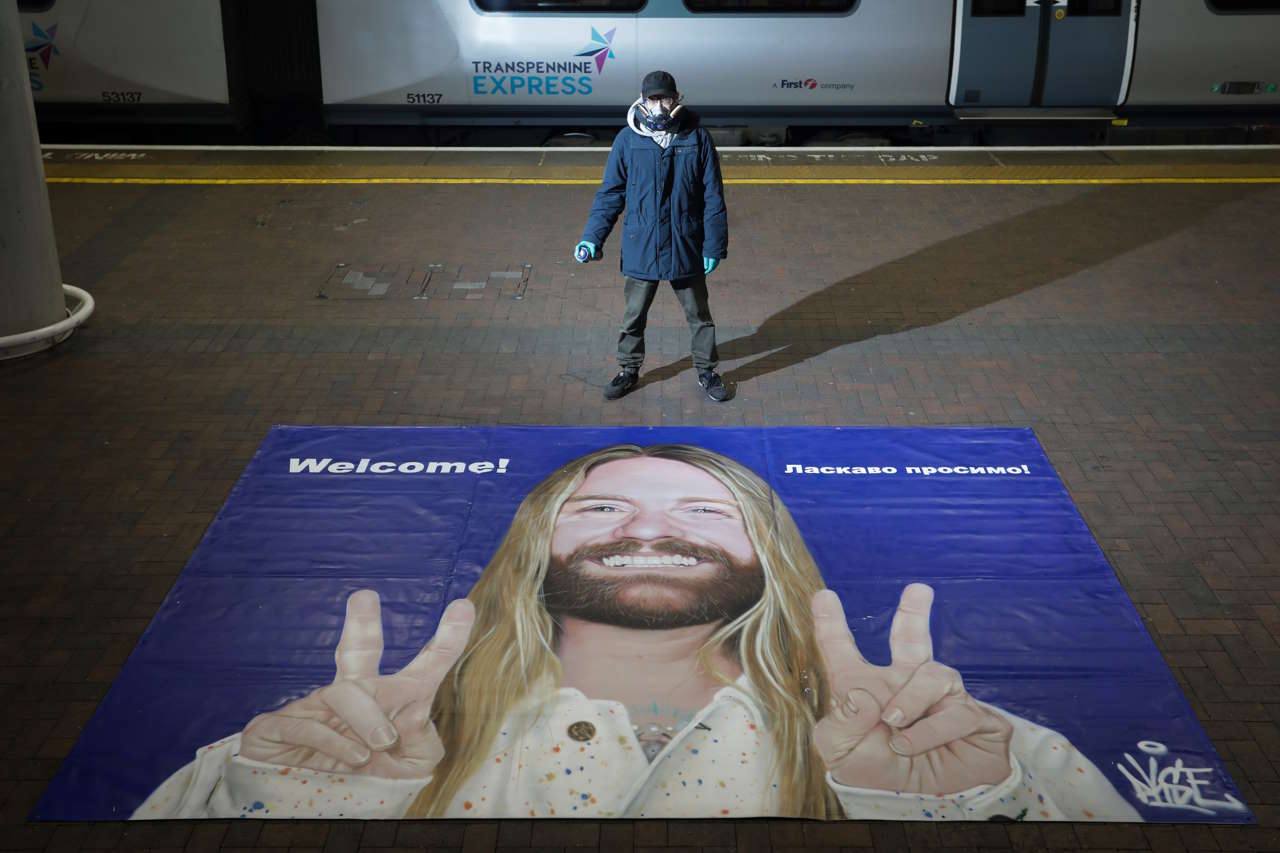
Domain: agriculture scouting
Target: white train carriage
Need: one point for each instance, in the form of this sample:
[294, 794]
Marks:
[125, 53]
[807, 60]
[558, 62]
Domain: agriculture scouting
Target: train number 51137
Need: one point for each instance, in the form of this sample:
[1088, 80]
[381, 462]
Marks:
[121, 97]
[423, 97]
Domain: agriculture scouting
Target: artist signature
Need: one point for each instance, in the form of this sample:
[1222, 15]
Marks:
[1174, 786]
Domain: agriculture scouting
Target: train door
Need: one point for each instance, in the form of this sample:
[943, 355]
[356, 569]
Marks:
[1042, 53]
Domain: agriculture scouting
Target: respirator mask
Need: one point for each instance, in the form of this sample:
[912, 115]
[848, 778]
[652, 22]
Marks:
[659, 119]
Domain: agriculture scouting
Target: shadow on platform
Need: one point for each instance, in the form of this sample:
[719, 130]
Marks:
[966, 272]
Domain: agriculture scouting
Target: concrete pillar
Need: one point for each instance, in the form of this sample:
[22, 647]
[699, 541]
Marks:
[31, 295]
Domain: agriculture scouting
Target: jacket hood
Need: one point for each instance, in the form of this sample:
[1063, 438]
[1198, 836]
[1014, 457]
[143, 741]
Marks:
[686, 120]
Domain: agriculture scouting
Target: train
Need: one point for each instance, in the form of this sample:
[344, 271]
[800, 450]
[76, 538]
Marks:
[438, 70]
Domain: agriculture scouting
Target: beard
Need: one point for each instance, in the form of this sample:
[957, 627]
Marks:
[652, 601]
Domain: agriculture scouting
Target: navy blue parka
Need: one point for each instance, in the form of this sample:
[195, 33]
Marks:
[674, 199]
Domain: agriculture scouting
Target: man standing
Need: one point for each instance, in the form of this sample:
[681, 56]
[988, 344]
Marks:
[651, 639]
[664, 169]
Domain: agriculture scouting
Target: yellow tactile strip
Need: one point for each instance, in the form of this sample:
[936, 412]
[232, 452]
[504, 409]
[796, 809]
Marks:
[136, 172]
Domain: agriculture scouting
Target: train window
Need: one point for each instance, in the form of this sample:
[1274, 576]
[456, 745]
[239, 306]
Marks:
[999, 8]
[1243, 7]
[1094, 8]
[828, 6]
[560, 5]
[32, 6]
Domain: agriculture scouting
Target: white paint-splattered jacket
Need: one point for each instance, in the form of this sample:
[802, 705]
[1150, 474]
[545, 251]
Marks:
[717, 766]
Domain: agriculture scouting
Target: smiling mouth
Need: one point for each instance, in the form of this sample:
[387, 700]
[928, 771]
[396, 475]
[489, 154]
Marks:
[628, 560]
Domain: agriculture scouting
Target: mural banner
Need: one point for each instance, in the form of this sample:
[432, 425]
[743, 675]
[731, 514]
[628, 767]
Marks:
[515, 622]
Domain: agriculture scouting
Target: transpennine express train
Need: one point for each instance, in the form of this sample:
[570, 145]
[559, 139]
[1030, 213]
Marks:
[883, 63]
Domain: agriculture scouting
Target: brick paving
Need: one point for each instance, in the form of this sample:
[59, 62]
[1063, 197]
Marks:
[1135, 328]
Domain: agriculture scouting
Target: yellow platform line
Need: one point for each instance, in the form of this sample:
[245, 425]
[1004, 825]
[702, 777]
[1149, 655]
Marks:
[269, 181]
[525, 174]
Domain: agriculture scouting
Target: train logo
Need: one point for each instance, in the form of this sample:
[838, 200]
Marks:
[601, 48]
[543, 76]
[40, 47]
[807, 83]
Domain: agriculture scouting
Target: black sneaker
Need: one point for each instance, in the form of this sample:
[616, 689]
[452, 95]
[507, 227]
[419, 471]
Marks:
[713, 385]
[621, 384]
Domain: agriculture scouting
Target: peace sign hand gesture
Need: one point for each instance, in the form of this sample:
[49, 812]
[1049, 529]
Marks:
[909, 726]
[365, 723]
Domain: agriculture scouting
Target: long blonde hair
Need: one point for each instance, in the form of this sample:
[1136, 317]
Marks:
[511, 651]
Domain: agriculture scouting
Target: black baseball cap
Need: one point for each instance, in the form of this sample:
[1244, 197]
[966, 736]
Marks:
[658, 84]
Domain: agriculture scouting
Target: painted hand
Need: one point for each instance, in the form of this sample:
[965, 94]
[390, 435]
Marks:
[909, 726]
[365, 723]
[709, 264]
[590, 254]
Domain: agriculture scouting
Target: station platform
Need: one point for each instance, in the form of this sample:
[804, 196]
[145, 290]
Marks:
[1123, 303]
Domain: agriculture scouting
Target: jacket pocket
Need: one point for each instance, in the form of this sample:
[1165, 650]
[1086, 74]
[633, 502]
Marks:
[688, 248]
[686, 170]
[691, 230]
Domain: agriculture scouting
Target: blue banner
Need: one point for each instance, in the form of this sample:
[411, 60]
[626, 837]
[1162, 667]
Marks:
[646, 622]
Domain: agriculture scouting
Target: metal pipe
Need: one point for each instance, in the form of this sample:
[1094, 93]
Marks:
[13, 346]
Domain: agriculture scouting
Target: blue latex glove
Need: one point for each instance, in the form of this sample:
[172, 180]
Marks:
[592, 252]
[709, 264]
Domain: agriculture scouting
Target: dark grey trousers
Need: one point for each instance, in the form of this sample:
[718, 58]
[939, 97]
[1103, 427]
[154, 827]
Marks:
[692, 293]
